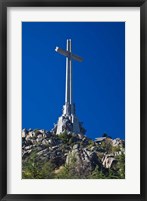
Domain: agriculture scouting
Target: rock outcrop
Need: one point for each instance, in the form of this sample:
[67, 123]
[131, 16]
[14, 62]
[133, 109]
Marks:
[77, 152]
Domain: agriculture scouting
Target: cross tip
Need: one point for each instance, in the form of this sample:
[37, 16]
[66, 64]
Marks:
[56, 49]
[80, 59]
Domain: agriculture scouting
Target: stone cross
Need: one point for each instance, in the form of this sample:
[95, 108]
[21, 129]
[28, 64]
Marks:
[68, 87]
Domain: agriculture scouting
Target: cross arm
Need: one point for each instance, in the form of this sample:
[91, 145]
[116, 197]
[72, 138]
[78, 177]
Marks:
[76, 57]
[61, 51]
[67, 54]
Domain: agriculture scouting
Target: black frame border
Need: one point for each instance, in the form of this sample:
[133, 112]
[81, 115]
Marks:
[4, 4]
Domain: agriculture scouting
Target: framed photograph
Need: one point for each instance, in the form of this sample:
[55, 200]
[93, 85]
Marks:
[73, 100]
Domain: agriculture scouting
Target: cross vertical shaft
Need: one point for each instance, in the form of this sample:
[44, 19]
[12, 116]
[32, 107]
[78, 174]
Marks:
[68, 88]
[70, 78]
[69, 108]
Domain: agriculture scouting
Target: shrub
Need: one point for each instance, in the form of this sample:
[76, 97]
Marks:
[35, 169]
[96, 174]
[115, 149]
[65, 137]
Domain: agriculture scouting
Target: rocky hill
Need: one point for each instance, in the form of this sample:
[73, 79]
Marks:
[69, 156]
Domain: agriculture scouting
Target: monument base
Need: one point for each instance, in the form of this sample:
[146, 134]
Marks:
[69, 124]
[68, 121]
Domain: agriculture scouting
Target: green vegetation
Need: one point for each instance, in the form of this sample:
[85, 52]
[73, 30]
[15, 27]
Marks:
[65, 137]
[121, 165]
[116, 149]
[106, 146]
[33, 168]
[106, 135]
[70, 156]
[90, 143]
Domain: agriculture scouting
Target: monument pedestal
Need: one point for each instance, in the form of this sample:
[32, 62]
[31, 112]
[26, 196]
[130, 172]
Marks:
[68, 121]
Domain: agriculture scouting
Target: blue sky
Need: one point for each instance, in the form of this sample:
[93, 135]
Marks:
[98, 82]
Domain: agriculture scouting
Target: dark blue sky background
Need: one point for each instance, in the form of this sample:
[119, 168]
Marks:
[98, 82]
